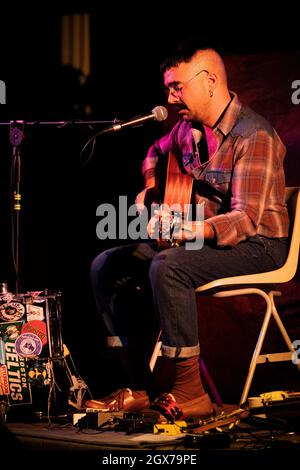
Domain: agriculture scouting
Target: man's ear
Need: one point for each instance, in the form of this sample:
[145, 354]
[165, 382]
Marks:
[212, 81]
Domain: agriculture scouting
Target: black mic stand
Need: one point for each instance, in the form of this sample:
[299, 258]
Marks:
[16, 137]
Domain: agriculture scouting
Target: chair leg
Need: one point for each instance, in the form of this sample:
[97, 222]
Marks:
[257, 358]
[209, 382]
[258, 347]
[156, 352]
[281, 326]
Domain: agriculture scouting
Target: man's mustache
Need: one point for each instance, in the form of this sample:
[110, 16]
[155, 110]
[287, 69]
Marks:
[179, 106]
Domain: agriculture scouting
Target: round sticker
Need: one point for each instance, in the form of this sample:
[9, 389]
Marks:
[28, 344]
[37, 327]
[12, 311]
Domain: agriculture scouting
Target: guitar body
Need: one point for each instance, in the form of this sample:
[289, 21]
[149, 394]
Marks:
[179, 185]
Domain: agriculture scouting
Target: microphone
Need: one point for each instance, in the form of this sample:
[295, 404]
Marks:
[159, 113]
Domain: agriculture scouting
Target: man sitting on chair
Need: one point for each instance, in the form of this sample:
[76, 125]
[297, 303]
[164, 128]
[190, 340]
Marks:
[236, 160]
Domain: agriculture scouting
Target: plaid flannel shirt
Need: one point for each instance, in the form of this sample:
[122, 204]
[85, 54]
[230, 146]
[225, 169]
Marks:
[242, 183]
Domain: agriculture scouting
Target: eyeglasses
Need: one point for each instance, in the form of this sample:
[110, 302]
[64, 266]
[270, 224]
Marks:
[177, 88]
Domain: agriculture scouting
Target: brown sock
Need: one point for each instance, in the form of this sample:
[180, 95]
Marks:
[188, 384]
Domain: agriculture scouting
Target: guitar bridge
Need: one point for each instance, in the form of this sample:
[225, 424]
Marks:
[169, 227]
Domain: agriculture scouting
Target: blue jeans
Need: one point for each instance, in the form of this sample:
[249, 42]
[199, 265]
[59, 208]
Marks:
[174, 274]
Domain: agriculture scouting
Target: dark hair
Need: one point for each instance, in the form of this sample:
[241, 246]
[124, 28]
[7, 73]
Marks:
[185, 50]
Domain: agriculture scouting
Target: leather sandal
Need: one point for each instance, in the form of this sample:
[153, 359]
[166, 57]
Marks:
[124, 399]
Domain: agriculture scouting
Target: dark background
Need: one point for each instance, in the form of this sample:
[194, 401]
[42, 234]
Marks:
[60, 196]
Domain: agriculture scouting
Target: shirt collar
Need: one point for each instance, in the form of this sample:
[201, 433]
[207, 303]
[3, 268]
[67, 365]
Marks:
[229, 119]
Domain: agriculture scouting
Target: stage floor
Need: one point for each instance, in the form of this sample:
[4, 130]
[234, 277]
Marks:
[250, 444]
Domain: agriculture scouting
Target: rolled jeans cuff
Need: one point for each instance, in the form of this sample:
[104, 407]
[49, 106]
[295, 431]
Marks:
[180, 352]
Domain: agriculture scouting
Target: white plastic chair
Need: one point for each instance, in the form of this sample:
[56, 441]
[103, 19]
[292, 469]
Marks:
[259, 284]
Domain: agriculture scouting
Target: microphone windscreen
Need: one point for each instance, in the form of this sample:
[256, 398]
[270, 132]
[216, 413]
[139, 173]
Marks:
[160, 113]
